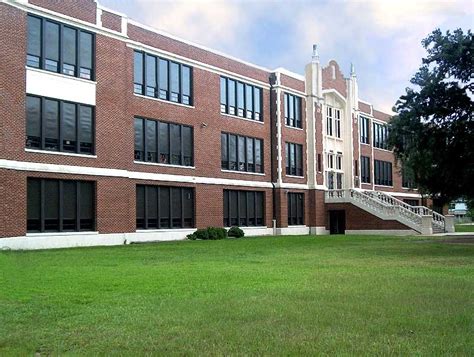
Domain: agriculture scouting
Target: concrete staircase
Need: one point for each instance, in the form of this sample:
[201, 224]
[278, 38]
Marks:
[380, 204]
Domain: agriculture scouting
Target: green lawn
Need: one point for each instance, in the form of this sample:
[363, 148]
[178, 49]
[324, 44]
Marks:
[464, 227]
[275, 295]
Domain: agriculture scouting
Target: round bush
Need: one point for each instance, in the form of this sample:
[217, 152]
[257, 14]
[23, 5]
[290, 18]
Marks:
[235, 232]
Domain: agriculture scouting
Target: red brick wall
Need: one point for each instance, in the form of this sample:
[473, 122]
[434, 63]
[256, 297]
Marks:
[85, 10]
[358, 219]
[338, 83]
[111, 21]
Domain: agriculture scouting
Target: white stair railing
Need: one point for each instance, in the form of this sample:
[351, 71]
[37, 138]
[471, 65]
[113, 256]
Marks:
[437, 219]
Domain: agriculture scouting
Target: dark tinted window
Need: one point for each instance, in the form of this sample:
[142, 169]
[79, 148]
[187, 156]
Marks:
[243, 208]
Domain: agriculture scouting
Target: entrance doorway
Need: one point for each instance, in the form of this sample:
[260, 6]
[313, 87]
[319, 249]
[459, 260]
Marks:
[337, 221]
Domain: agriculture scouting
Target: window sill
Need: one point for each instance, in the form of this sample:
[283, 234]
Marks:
[365, 144]
[242, 118]
[295, 176]
[297, 226]
[164, 165]
[164, 230]
[245, 227]
[61, 75]
[383, 186]
[334, 138]
[376, 148]
[164, 101]
[293, 127]
[410, 189]
[73, 233]
[244, 172]
[61, 153]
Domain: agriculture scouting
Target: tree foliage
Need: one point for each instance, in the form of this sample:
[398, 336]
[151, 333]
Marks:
[433, 132]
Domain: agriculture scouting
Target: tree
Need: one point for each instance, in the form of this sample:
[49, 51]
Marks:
[432, 134]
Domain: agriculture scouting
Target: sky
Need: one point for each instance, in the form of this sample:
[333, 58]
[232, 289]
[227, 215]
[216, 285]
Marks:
[381, 38]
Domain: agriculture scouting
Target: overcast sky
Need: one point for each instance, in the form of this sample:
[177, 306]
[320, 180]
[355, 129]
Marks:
[381, 38]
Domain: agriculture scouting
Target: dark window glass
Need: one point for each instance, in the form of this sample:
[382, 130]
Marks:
[51, 46]
[188, 144]
[51, 205]
[294, 159]
[188, 207]
[242, 151]
[298, 120]
[175, 136]
[138, 72]
[224, 152]
[243, 208]
[257, 103]
[258, 155]
[383, 173]
[51, 124]
[174, 82]
[152, 207]
[69, 127]
[150, 62]
[231, 96]
[232, 152]
[34, 42]
[151, 143]
[380, 136]
[49, 117]
[163, 142]
[163, 78]
[60, 205]
[186, 85]
[69, 51]
[86, 142]
[364, 130]
[240, 99]
[164, 207]
[291, 111]
[249, 101]
[69, 206]
[33, 122]
[248, 151]
[295, 208]
[140, 207]
[85, 55]
[139, 140]
[62, 49]
[33, 205]
[223, 95]
[87, 206]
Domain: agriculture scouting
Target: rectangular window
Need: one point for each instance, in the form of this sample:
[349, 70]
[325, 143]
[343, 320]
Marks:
[159, 78]
[47, 119]
[364, 129]
[294, 159]
[329, 120]
[243, 208]
[383, 173]
[293, 110]
[59, 48]
[380, 136]
[337, 123]
[365, 169]
[241, 153]
[138, 72]
[163, 143]
[320, 166]
[338, 162]
[241, 99]
[295, 208]
[60, 205]
[160, 207]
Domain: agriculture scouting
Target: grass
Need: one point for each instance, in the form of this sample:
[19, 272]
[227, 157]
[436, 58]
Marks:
[464, 227]
[274, 295]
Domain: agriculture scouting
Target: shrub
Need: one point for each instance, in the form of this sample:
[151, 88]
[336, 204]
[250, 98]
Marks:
[216, 233]
[209, 233]
[235, 232]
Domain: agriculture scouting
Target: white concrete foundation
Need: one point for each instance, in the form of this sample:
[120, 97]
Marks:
[391, 232]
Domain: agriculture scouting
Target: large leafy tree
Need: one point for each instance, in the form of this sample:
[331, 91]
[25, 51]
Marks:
[433, 132]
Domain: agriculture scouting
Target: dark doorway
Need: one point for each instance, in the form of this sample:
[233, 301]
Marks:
[337, 221]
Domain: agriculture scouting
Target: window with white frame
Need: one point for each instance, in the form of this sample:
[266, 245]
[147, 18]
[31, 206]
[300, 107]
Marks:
[333, 122]
[339, 162]
[330, 160]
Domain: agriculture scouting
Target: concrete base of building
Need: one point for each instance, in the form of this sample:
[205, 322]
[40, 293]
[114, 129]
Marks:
[318, 230]
[392, 232]
[292, 230]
